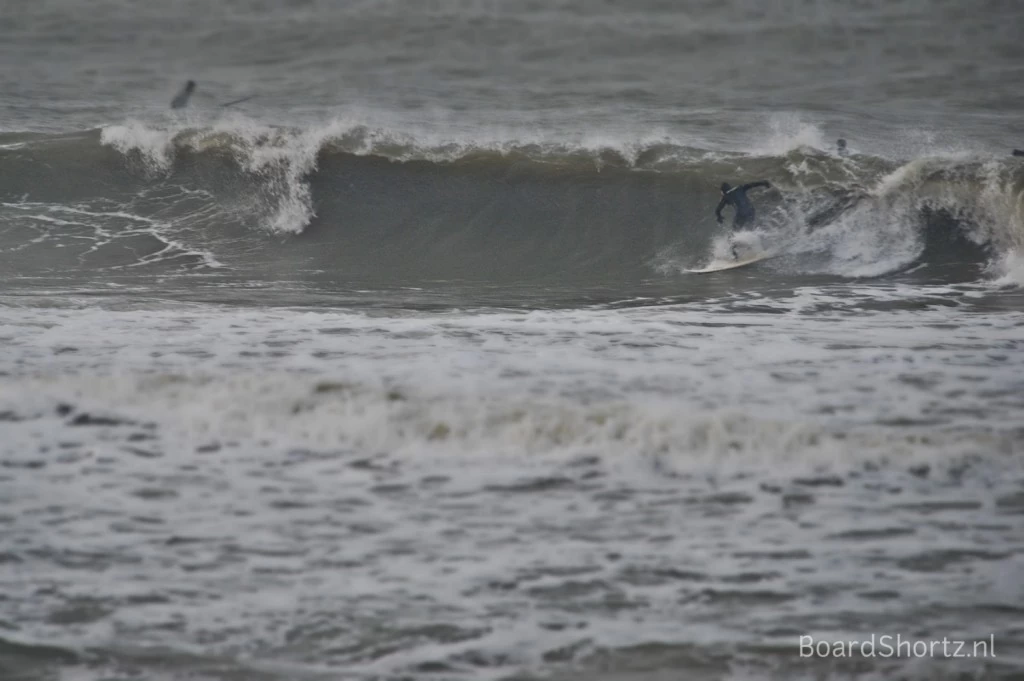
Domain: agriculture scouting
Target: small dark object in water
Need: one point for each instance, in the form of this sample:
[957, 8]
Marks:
[90, 420]
[180, 100]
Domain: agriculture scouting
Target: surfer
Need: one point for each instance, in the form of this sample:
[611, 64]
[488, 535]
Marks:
[1018, 152]
[841, 147]
[737, 198]
[180, 100]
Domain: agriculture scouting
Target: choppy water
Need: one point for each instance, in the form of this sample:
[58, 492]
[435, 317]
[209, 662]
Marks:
[395, 371]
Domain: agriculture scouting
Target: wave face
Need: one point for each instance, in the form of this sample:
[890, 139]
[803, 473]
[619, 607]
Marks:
[369, 205]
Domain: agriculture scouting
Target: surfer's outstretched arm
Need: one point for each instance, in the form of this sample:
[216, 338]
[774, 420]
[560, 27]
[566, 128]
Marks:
[238, 101]
[754, 185]
[718, 211]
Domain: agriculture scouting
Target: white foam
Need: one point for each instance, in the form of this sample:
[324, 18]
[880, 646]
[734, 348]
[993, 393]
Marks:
[91, 223]
[647, 383]
[154, 145]
[1009, 269]
[882, 231]
[789, 132]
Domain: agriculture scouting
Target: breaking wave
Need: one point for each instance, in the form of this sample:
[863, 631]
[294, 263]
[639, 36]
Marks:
[358, 200]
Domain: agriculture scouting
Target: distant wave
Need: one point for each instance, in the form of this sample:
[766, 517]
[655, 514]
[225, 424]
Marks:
[32, 656]
[356, 199]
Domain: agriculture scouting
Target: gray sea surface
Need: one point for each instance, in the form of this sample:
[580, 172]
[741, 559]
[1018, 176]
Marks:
[397, 369]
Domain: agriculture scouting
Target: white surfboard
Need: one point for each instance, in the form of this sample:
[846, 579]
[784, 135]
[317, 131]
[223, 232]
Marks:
[721, 265]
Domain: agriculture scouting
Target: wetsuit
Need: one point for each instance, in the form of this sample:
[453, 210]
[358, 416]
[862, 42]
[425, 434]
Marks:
[180, 100]
[737, 198]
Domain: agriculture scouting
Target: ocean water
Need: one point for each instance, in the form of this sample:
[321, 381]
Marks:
[395, 370]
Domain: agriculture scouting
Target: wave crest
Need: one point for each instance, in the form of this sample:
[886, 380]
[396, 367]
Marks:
[360, 199]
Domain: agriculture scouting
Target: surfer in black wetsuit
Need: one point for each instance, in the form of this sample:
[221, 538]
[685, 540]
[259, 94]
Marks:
[180, 100]
[737, 198]
[1018, 152]
[841, 147]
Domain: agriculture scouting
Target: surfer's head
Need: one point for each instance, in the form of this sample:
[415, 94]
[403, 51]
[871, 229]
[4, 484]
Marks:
[190, 86]
[725, 187]
[841, 143]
